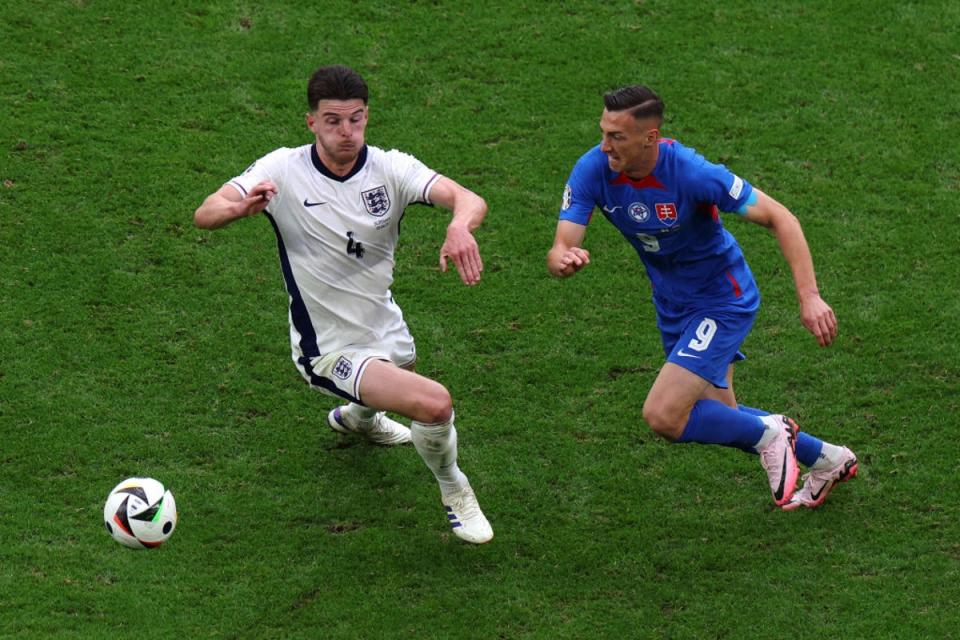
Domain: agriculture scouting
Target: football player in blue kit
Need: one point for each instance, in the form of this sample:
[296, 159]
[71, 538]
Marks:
[665, 199]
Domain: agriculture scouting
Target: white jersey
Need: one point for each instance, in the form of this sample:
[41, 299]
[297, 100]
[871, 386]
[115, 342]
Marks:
[336, 237]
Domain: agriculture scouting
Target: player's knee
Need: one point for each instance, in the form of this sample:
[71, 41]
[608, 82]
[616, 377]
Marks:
[435, 405]
[662, 421]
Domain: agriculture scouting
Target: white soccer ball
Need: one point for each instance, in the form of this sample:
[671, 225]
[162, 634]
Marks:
[140, 513]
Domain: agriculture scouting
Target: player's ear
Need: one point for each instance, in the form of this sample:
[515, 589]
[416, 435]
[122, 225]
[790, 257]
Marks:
[311, 119]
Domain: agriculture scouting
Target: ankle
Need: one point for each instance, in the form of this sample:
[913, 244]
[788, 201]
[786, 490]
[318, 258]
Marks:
[360, 413]
[771, 428]
[830, 456]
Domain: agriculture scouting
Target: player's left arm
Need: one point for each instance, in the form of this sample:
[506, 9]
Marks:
[816, 315]
[469, 210]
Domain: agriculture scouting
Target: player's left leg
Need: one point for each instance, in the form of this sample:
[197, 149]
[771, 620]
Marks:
[829, 464]
[810, 450]
[819, 482]
[373, 424]
[429, 405]
[373, 384]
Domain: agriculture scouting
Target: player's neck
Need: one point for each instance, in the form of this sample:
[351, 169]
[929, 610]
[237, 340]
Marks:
[340, 168]
[645, 166]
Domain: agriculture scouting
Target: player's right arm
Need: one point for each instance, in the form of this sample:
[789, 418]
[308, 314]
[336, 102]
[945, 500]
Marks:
[566, 257]
[227, 204]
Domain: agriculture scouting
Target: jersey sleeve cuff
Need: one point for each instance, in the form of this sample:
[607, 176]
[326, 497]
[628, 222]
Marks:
[750, 201]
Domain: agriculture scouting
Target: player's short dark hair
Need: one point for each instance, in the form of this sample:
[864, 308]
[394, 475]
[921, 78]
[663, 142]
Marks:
[641, 101]
[335, 82]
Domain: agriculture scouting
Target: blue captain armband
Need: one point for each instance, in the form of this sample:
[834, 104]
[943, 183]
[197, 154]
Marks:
[751, 200]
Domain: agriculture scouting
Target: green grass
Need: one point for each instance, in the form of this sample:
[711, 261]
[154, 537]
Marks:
[132, 343]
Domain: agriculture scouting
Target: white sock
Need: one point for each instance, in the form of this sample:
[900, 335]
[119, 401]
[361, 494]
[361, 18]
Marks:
[361, 413]
[830, 456]
[773, 426]
[437, 445]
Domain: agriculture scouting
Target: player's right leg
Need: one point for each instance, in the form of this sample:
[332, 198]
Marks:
[675, 409]
[338, 374]
[687, 402]
[368, 423]
[428, 404]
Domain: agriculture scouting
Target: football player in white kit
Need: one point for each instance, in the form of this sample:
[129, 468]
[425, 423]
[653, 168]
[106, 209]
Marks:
[335, 206]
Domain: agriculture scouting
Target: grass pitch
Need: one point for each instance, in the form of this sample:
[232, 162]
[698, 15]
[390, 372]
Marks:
[132, 343]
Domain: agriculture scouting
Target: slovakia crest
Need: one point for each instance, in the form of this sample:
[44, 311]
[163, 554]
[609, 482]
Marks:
[638, 211]
[666, 212]
[376, 201]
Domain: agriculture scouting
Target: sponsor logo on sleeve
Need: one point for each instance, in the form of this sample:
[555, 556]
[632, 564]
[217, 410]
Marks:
[567, 197]
[737, 188]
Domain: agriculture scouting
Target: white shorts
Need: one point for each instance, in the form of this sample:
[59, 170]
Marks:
[338, 373]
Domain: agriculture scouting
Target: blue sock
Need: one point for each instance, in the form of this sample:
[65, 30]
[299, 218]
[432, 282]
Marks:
[752, 411]
[712, 422]
[808, 447]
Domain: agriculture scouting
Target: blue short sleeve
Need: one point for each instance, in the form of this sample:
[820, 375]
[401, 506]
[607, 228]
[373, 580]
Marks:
[580, 194]
[716, 184]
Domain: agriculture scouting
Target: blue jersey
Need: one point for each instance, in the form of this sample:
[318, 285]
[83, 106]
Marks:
[671, 219]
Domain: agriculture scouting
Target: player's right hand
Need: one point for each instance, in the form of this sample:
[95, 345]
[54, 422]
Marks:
[572, 260]
[258, 198]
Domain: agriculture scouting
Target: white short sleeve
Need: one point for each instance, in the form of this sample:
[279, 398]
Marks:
[414, 178]
[272, 166]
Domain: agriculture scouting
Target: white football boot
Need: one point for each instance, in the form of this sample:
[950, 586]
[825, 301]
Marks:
[380, 429]
[465, 517]
[818, 483]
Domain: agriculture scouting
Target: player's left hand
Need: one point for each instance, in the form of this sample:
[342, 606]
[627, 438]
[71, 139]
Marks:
[818, 318]
[461, 247]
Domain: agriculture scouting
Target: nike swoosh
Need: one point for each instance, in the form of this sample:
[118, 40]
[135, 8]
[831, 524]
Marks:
[815, 496]
[783, 478]
[843, 476]
[609, 210]
[311, 204]
[684, 354]
[791, 436]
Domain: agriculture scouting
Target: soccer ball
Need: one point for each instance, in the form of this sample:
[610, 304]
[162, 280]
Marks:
[140, 513]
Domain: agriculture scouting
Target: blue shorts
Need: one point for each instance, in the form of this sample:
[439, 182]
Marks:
[705, 341]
